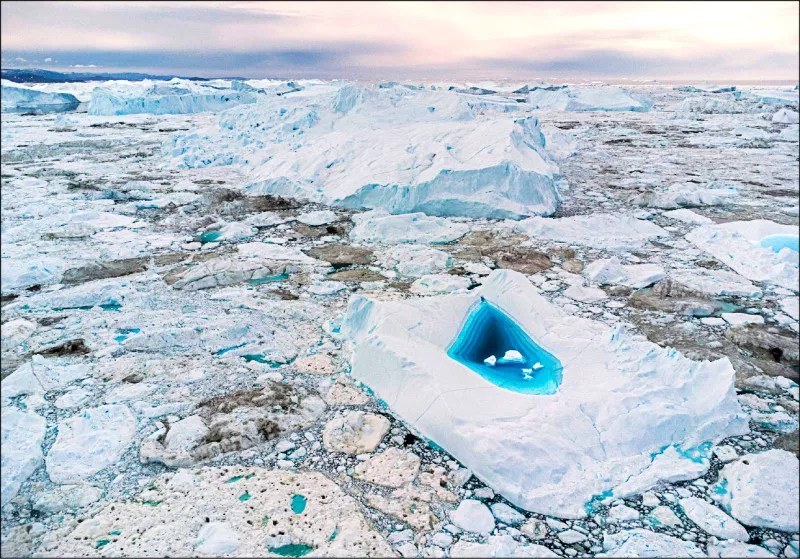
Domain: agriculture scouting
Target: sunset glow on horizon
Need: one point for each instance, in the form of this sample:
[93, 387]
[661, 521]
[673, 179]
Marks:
[648, 40]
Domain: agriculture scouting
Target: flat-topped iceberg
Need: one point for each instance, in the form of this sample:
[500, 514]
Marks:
[173, 97]
[395, 149]
[588, 99]
[22, 99]
[760, 250]
[378, 226]
[620, 403]
[605, 231]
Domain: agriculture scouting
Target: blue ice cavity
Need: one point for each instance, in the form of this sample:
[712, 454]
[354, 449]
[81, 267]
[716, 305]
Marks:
[497, 348]
[779, 242]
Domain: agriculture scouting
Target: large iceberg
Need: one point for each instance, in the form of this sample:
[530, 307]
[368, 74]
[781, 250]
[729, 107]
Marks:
[614, 411]
[395, 149]
[173, 97]
[760, 250]
[21, 99]
[588, 99]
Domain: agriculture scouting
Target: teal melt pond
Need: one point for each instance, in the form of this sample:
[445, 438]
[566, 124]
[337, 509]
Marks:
[497, 348]
[780, 242]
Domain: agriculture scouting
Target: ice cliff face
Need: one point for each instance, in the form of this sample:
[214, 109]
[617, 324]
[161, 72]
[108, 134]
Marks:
[22, 99]
[173, 97]
[588, 99]
[394, 149]
[626, 415]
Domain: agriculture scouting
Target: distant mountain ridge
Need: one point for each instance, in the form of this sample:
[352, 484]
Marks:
[49, 76]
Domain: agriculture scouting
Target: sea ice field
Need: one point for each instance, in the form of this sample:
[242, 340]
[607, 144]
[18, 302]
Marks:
[337, 318]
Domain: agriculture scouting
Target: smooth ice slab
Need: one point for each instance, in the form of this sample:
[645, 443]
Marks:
[583, 99]
[598, 230]
[495, 347]
[625, 408]
[779, 242]
[760, 250]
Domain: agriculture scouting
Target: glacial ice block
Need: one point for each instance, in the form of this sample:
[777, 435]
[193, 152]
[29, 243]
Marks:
[21, 99]
[174, 97]
[394, 149]
[582, 99]
[621, 402]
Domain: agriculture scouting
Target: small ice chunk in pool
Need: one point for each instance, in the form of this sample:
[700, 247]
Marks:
[513, 356]
[491, 360]
[537, 366]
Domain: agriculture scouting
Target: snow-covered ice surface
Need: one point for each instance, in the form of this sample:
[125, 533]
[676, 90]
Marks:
[607, 422]
[174, 288]
[390, 148]
[746, 247]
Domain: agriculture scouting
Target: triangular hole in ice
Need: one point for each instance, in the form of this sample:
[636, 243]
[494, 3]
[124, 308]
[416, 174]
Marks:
[498, 349]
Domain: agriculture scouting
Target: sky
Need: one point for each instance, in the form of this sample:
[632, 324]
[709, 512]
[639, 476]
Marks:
[409, 40]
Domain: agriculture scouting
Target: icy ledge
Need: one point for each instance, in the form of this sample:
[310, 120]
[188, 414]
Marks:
[22, 99]
[627, 414]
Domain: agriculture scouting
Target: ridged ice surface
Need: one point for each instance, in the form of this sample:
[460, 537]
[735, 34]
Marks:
[393, 148]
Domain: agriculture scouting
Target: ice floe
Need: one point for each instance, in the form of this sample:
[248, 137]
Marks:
[588, 426]
[761, 490]
[605, 231]
[90, 441]
[611, 271]
[740, 245]
[380, 227]
[179, 503]
[686, 196]
[644, 543]
[603, 98]
[22, 435]
[712, 520]
[716, 282]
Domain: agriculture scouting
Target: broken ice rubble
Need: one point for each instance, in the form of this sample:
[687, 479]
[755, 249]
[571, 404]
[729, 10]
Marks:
[173, 345]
